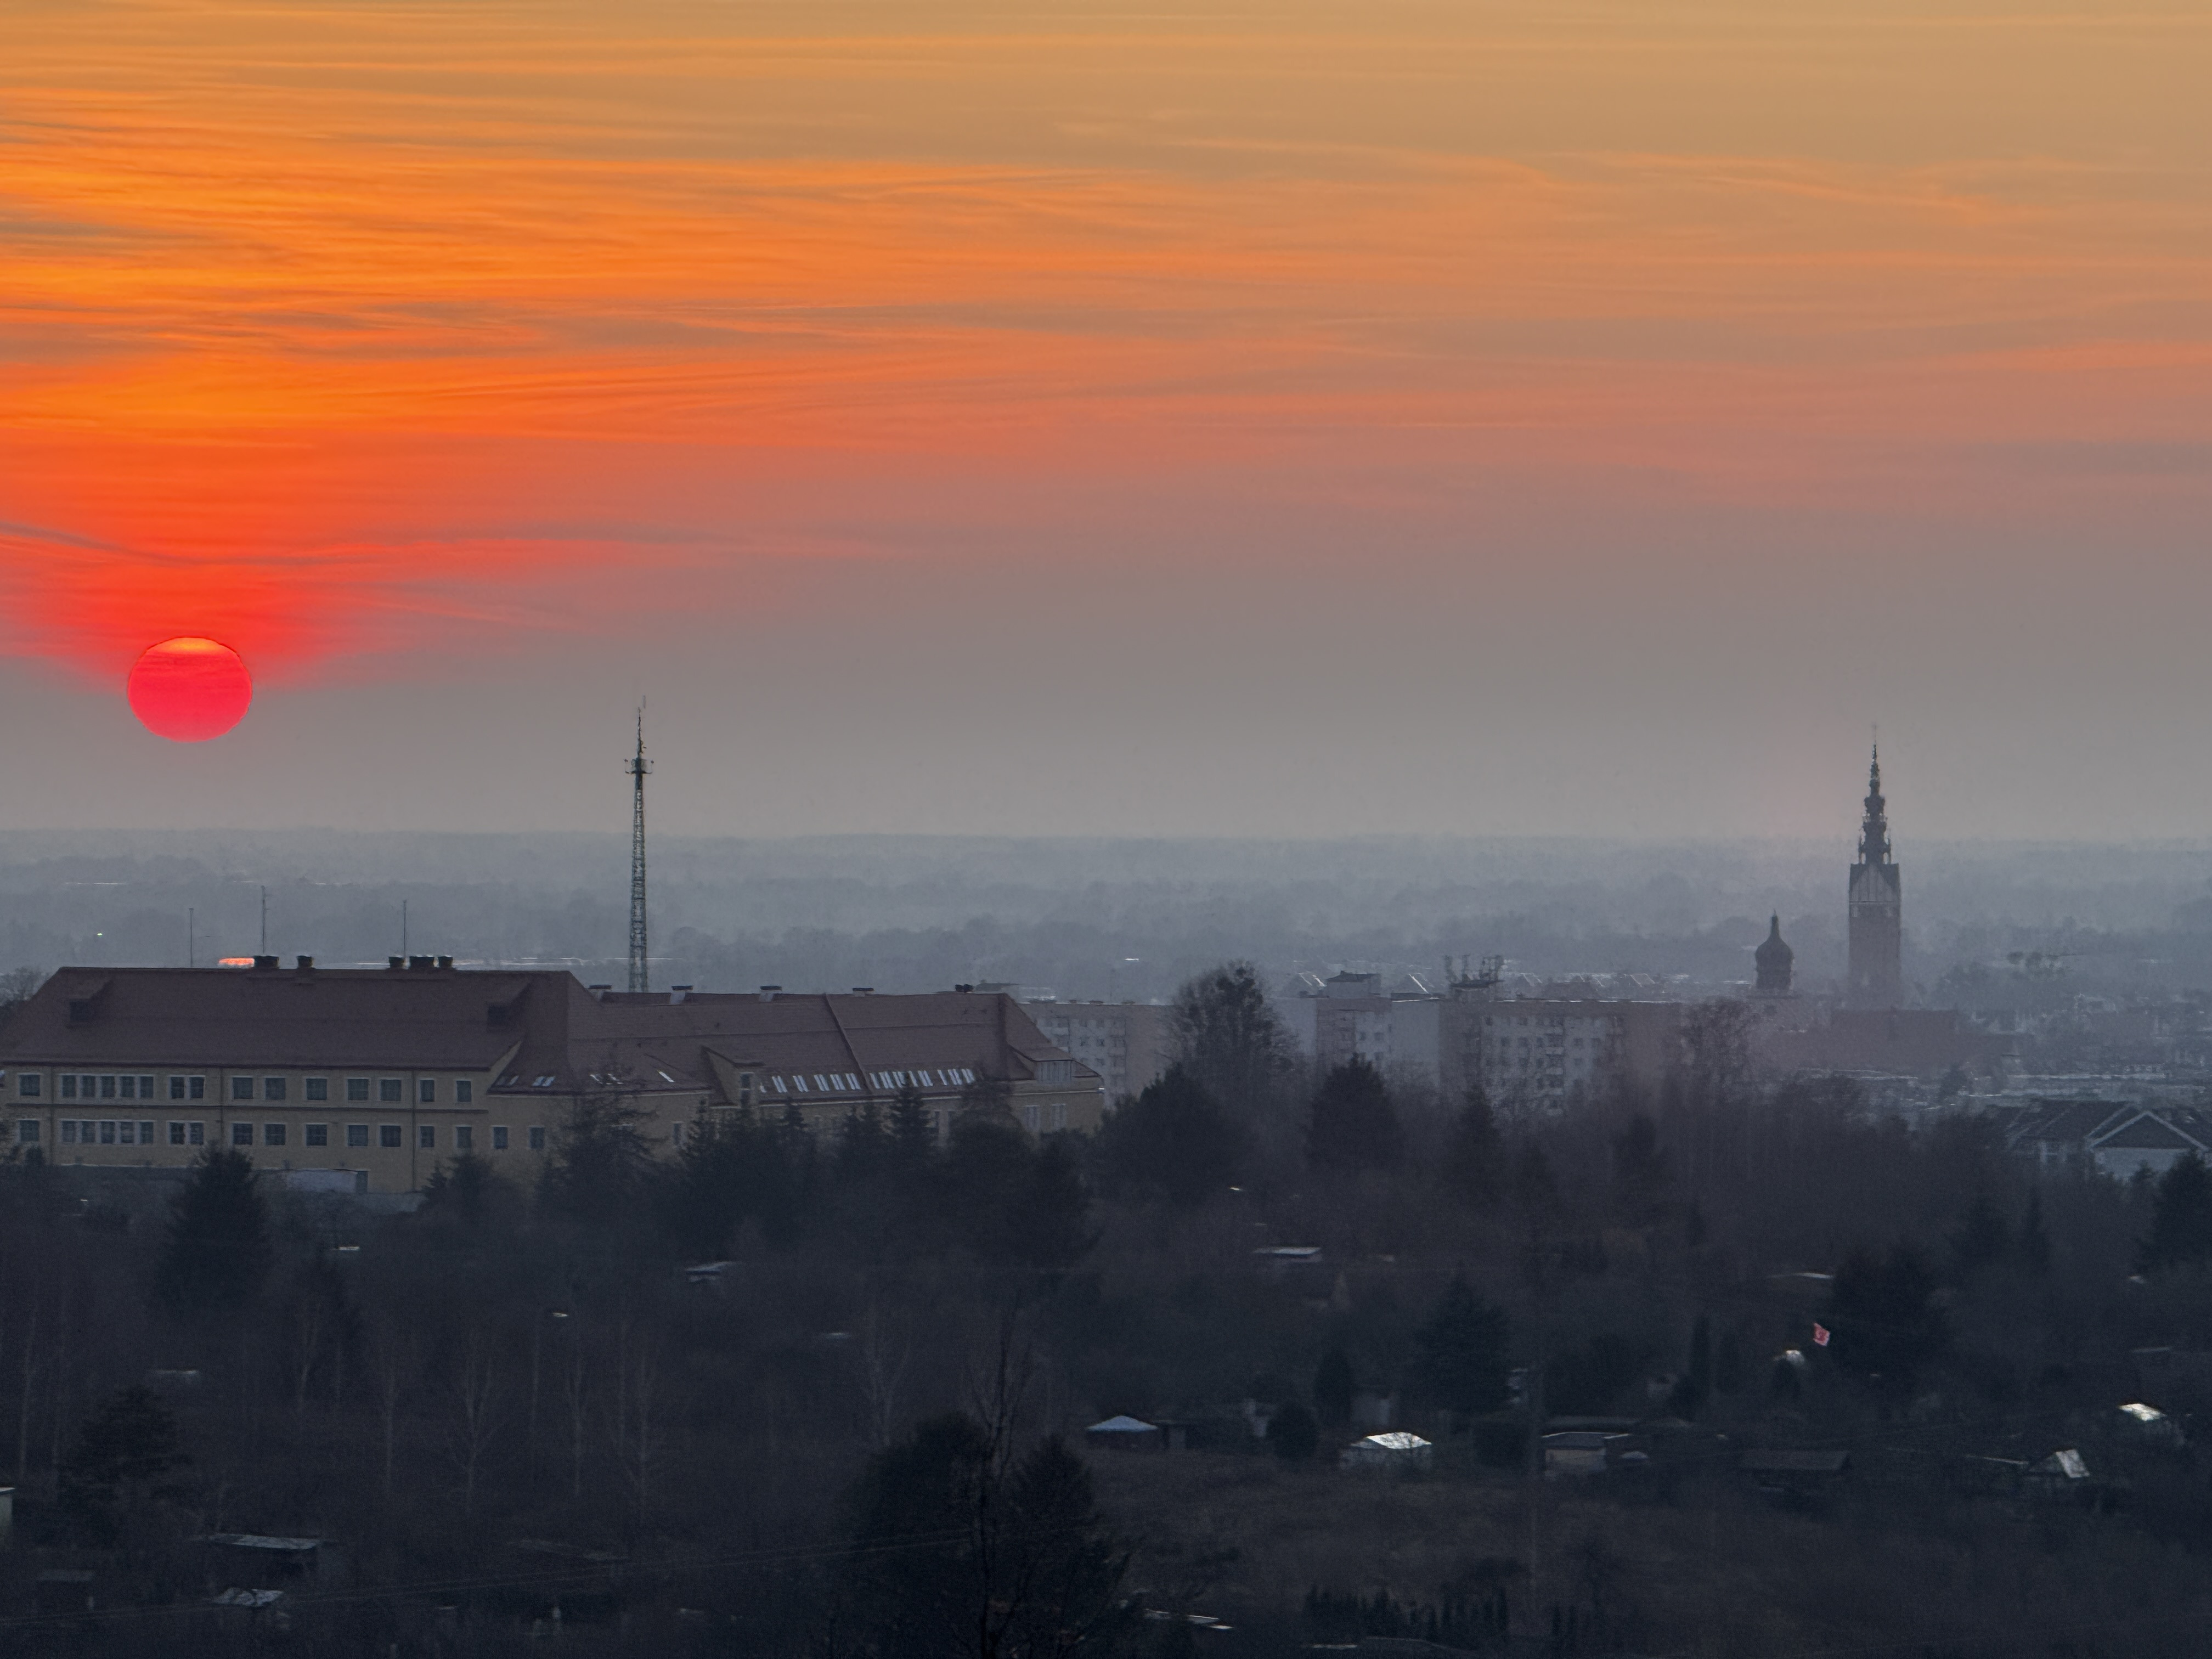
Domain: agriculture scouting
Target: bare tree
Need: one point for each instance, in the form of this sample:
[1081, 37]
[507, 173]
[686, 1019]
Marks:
[30, 1381]
[394, 1371]
[575, 1393]
[474, 1387]
[883, 1354]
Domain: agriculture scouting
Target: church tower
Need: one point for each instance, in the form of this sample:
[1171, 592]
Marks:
[1776, 962]
[1877, 908]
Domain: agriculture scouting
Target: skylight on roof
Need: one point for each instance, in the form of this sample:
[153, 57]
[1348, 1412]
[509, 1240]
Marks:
[546, 1082]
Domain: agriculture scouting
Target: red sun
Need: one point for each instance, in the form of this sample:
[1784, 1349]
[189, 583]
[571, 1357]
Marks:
[190, 690]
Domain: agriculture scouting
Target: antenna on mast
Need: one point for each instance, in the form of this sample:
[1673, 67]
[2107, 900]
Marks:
[637, 766]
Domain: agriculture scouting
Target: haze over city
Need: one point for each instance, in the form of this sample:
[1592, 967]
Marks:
[952, 830]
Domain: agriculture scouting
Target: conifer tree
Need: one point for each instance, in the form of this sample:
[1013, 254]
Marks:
[217, 1253]
[1460, 1353]
[1352, 1125]
[2181, 1227]
[1333, 1387]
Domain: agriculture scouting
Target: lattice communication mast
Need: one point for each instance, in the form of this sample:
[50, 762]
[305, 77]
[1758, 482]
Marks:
[637, 766]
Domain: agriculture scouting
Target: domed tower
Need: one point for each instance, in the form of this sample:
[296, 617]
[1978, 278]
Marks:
[1776, 961]
[1877, 908]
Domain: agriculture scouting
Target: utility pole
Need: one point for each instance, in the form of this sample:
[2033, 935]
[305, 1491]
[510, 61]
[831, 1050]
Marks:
[637, 766]
[402, 927]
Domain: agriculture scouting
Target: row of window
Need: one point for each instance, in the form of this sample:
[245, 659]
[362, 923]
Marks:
[117, 1132]
[96, 1085]
[830, 1082]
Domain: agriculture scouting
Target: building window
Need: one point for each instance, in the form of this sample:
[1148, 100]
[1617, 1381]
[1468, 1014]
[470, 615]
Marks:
[195, 1133]
[130, 1087]
[389, 1092]
[1032, 1117]
[426, 1091]
[241, 1088]
[176, 1134]
[465, 1138]
[464, 1091]
[744, 1088]
[356, 1134]
[69, 1132]
[26, 1085]
[388, 1135]
[198, 1087]
[176, 1088]
[272, 1134]
[356, 1088]
[69, 1086]
[107, 1088]
[107, 1132]
[319, 1134]
[318, 1088]
[498, 1137]
[272, 1088]
[676, 1135]
[145, 1134]
[26, 1132]
[426, 1136]
[241, 1134]
[536, 1138]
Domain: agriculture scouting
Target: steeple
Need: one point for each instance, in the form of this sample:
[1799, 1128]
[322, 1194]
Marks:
[1877, 907]
[1775, 961]
[1874, 830]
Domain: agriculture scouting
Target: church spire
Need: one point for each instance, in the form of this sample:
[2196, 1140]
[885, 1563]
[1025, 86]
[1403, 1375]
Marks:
[1874, 832]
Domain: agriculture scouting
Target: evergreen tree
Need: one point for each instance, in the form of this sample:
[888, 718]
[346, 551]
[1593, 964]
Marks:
[122, 1450]
[1333, 1387]
[913, 1137]
[2181, 1227]
[1474, 1164]
[599, 1165]
[1889, 1325]
[467, 1189]
[1461, 1354]
[959, 1549]
[863, 1144]
[1173, 1138]
[1226, 1032]
[217, 1253]
[1352, 1125]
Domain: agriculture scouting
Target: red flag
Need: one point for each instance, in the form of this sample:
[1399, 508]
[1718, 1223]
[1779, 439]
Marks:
[1820, 1335]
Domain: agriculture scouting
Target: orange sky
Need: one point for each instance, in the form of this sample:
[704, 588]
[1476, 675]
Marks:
[347, 331]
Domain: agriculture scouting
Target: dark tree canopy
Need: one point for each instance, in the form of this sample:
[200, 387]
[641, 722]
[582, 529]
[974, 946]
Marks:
[217, 1252]
[1352, 1124]
[1293, 1433]
[1173, 1139]
[1461, 1357]
[1226, 1032]
[124, 1449]
[1333, 1387]
[1889, 1325]
[2181, 1226]
[982, 1558]
[1474, 1164]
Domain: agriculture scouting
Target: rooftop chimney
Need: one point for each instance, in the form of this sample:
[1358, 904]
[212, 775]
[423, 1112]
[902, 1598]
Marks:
[445, 962]
[395, 964]
[264, 964]
[677, 992]
[420, 963]
[306, 964]
[768, 993]
[864, 990]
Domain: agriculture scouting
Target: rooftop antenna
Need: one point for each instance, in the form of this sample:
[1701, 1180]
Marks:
[637, 766]
[192, 937]
[402, 927]
[264, 921]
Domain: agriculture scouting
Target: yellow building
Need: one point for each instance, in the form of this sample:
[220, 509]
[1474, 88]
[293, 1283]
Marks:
[367, 1080]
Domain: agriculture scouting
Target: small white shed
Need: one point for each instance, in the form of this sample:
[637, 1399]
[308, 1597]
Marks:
[1394, 1450]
